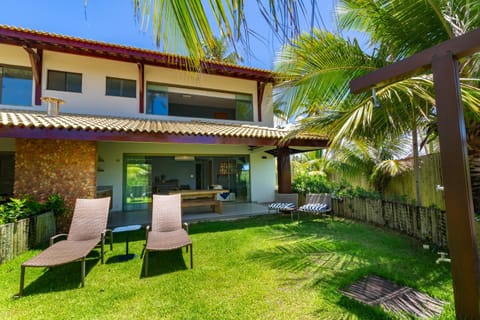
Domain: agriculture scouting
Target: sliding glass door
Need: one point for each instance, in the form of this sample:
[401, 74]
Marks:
[137, 188]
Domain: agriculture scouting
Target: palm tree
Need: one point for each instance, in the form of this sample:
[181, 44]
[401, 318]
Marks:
[317, 68]
[218, 51]
[187, 26]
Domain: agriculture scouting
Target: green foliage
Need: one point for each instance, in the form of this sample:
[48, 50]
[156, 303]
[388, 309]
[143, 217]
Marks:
[56, 204]
[16, 209]
[319, 184]
[13, 210]
[311, 184]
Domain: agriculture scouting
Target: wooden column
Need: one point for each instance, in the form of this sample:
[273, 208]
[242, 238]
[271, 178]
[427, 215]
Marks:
[36, 61]
[260, 91]
[141, 87]
[458, 193]
[283, 170]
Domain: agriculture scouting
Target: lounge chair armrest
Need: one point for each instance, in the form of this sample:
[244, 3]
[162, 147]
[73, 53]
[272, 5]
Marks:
[185, 226]
[147, 230]
[52, 239]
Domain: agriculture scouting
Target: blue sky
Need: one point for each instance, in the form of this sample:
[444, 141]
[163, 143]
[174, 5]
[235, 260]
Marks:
[113, 21]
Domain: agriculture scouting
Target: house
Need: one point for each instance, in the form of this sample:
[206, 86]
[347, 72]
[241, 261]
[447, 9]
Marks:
[84, 118]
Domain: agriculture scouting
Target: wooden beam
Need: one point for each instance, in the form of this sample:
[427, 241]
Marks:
[36, 61]
[443, 60]
[141, 87]
[260, 90]
[462, 46]
[458, 193]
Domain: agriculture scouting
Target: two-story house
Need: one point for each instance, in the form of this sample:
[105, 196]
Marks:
[134, 121]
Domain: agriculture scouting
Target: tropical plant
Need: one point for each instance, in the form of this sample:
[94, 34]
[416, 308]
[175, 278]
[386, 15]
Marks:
[317, 67]
[187, 26]
[218, 51]
[18, 208]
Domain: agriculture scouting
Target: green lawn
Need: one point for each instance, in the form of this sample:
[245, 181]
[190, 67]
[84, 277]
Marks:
[259, 268]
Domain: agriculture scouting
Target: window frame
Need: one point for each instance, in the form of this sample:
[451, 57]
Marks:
[66, 87]
[236, 97]
[122, 88]
[2, 73]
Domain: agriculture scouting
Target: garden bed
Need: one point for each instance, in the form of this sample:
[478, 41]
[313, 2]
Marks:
[17, 237]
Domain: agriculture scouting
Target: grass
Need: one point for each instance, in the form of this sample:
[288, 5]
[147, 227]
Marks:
[258, 268]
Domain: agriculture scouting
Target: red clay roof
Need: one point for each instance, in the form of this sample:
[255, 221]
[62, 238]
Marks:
[55, 42]
[152, 130]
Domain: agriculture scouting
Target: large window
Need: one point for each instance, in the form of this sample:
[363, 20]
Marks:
[121, 88]
[16, 86]
[64, 81]
[189, 102]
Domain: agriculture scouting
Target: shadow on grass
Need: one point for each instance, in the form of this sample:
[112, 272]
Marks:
[60, 278]
[163, 262]
[239, 224]
[329, 256]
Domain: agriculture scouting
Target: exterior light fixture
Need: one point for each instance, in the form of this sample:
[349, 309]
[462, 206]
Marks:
[376, 103]
[184, 158]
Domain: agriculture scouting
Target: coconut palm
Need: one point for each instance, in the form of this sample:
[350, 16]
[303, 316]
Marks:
[187, 26]
[318, 67]
[218, 51]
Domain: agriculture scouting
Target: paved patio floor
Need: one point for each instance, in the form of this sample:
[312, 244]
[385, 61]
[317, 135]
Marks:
[231, 211]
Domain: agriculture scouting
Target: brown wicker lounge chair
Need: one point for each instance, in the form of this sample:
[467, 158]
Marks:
[166, 231]
[87, 229]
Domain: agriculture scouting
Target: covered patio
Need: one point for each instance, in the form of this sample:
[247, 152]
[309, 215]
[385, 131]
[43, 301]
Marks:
[231, 211]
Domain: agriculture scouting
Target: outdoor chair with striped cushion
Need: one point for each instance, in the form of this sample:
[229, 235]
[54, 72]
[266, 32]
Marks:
[284, 202]
[317, 203]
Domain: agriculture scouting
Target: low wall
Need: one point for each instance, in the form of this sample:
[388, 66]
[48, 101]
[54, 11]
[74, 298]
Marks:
[18, 237]
[427, 224]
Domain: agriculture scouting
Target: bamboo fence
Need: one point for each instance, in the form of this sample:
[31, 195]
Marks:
[426, 224]
[18, 237]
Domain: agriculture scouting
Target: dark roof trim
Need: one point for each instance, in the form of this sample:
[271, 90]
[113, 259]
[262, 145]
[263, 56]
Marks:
[53, 42]
[98, 135]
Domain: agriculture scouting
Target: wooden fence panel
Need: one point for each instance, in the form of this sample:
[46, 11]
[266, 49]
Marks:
[426, 224]
[18, 237]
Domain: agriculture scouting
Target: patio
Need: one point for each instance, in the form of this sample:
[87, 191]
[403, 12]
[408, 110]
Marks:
[231, 211]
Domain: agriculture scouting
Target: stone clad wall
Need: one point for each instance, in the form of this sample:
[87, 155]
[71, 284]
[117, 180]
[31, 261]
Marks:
[43, 167]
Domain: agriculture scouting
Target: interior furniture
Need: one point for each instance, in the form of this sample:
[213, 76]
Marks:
[198, 198]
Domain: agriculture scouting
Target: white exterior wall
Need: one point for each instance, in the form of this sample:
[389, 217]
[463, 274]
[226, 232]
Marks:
[262, 174]
[92, 100]
[262, 171]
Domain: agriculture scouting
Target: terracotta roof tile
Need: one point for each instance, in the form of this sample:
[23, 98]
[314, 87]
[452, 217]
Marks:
[37, 119]
[58, 42]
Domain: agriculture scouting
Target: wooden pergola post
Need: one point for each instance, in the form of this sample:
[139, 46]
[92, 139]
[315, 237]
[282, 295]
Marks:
[443, 60]
[283, 170]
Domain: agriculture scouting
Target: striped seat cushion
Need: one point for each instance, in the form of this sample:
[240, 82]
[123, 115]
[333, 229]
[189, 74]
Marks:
[281, 206]
[314, 207]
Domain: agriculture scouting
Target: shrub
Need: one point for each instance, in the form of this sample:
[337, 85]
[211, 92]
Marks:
[16, 209]
[311, 184]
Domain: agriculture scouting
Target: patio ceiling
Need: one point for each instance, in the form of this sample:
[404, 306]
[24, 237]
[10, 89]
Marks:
[39, 125]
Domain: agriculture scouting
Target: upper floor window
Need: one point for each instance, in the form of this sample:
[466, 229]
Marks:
[64, 81]
[189, 102]
[121, 87]
[16, 85]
